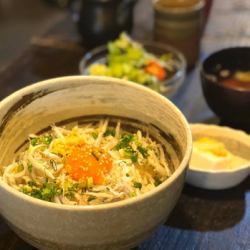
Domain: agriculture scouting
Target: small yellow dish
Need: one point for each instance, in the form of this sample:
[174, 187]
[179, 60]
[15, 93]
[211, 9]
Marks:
[220, 158]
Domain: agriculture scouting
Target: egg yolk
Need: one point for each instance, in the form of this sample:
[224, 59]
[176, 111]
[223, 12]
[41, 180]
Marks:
[87, 161]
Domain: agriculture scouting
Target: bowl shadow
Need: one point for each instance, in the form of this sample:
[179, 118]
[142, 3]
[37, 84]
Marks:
[209, 210]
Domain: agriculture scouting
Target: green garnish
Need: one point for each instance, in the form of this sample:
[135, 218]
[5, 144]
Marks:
[108, 132]
[124, 141]
[143, 151]
[27, 189]
[91, 198]
[43, 139]
[138, 185]
[34, 141]
[70, 195]
[47, 192]
[127, 175]
[19, 168]
[157, 182]
[31, 183]
[30, 167]
[95, 135]
[74, 187]
[130, 153]
[47, 139]
[134, 157]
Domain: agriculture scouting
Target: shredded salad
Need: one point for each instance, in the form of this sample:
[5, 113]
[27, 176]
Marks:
[88, 165]
[128, 59]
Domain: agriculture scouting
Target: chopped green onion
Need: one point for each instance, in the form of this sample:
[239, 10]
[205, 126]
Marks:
[34, 141]
[46, 139]
[91, 198]
[134, 157]
[31, 183]
[157, 182]
[43, 139]
[47, 192]
[26, 189]
[19, 168]
[138, 185]
[95, 135]
[124, 141]
[109, 132]
[30, 167]
[74, 187]
[143, 151]
[70, 195]
[130, 153]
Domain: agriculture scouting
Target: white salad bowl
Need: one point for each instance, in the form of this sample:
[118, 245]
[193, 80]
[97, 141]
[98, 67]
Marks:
[237, 142]
[120, 225]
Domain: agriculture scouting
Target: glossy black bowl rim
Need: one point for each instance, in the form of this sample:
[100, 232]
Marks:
[206, 74]
[178, 74]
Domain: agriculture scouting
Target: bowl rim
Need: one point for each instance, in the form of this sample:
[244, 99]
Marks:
[179, 10]
[238, 133]
[114, 205]
[181, 70]
[205, 74]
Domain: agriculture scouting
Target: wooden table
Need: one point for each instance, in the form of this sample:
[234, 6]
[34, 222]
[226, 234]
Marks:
[202, 219]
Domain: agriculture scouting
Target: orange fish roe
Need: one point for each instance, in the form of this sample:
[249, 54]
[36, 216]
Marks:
[87, 161]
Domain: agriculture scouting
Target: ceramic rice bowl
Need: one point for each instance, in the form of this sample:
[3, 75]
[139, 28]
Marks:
[119, 225]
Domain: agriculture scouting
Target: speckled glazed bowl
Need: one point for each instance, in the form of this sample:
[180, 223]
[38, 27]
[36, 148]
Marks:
[120, 225]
